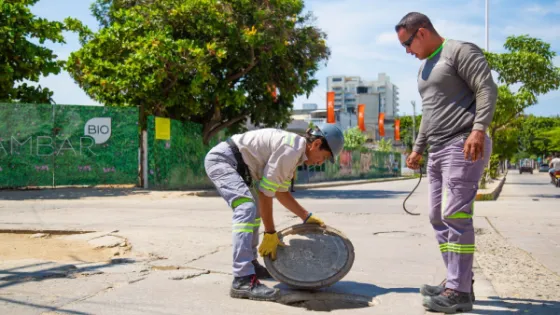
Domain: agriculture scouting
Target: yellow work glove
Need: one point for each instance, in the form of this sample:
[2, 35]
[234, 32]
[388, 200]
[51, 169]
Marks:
[269, 245]
[311, 219]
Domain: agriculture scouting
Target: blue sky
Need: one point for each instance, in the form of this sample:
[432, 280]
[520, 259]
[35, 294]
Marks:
[363, 42]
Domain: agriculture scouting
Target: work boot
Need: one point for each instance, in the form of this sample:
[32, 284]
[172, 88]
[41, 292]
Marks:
[249, 287]
[433, 290]
[261, 271]
[449, 302]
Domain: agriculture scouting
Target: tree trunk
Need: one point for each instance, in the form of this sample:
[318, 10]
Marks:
[211, 128]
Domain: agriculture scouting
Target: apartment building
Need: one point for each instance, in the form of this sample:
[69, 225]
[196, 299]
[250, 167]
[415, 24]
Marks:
[379, 96]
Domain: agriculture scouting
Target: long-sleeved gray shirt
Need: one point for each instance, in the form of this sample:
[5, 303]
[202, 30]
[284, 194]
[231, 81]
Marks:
[458, 95]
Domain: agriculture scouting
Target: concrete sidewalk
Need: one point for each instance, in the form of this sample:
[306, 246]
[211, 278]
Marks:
[180, 258]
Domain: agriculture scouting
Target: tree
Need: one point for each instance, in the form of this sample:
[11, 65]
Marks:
[554, 136]
[21, 59]
[385, 145]
[214, 62]
[533, 136]
[406, 130]
[354, 139]
[529, 64]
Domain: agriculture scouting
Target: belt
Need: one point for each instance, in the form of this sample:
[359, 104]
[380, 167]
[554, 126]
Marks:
[242, 168]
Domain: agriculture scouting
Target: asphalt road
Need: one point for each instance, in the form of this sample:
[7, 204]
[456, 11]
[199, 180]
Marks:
[181, 251]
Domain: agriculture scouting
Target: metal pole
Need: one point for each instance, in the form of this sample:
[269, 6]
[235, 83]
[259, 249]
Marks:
[145, 158]
[487, 27]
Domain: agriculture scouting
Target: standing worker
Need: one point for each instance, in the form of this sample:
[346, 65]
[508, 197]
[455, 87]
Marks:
[271, 157]
[458, 102]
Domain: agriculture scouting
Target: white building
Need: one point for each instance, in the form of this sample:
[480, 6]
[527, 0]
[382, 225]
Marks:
[377, 96]
[347, 89]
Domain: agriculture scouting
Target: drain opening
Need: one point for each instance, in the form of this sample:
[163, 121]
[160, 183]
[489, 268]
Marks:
[326, 301]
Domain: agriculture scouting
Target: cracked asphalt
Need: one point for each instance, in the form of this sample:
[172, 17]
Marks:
[179, 260]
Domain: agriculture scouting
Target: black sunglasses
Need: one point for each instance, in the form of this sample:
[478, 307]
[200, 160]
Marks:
[408, 42]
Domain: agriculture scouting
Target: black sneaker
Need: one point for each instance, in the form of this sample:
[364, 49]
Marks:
[449, 302]
[261, 271]
[249, 287]
[433, 290]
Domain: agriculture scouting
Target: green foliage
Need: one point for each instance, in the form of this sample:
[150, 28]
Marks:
[552, 139]
[385, 145]
[494, 166]
[212, 62]
[20, 58]
[39, 149]
[505, 142]
[537, 136]
[354, 139]
[178, 163]
[406, 130]
[528, 64]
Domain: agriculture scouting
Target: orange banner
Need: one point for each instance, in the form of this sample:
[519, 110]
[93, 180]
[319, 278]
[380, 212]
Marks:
[397, 129]
[273, 92]
[361, 122]
[330, 108]
[381, 122]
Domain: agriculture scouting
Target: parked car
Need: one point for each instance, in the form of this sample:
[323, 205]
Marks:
[544, 168]
[526, 166]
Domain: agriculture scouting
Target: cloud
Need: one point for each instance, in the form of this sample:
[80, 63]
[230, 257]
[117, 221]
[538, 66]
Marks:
[386, 38]
[545, 10]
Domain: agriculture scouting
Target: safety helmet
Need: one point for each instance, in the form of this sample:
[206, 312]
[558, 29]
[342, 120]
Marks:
[333, 135]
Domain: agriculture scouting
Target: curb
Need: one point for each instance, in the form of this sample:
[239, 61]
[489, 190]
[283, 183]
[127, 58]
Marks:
[349, 182]
[103, 186]
[214, 193]
[492, 196]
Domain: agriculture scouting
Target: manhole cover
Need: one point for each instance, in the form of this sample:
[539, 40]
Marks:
[314, 257]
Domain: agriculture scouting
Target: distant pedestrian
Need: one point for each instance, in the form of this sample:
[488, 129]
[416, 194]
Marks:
[458, 104]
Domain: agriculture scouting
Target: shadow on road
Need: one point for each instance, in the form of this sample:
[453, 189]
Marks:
[69, 193]
[547, 195]
[349, 194]
[343, 295]
[507, 306]
[528, 184]
[15, 276]
[11, 277]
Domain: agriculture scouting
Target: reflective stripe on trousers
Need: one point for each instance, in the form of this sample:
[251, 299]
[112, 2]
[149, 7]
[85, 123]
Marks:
[221, 168]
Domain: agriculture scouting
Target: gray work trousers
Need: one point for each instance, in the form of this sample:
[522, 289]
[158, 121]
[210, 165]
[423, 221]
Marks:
[453, 187]
[221, 168]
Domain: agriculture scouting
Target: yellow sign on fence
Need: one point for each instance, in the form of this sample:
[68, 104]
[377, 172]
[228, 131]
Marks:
[163, 128]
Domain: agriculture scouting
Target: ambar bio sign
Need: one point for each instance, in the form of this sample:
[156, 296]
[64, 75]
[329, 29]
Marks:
[99, 129]
[96, 131]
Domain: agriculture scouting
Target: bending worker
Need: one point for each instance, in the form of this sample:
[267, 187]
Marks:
[270, 156]
[458, 104]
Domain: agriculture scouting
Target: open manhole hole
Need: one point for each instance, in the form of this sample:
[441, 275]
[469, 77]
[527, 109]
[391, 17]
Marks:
[326, 301]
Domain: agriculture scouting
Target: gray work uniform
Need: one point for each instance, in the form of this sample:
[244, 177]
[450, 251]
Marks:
[272, 156]
[458, 96]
